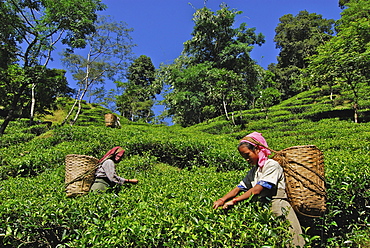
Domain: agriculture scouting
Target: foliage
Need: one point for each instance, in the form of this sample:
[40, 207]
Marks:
[181, 172]
[164, 213]
[137, 101]
[298, 37]
[109, 49]
[269, 95]
[215, 40]
[33, 28]
[203, 92]
[342, 3]
[18, 85]
[344, 60]
[7, 36]
[215, 75]
[41, 25]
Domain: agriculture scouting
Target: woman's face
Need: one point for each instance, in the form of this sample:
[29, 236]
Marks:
[250, 156]
[115, 160]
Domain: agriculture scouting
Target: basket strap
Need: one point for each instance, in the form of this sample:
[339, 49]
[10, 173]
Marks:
[258, 143]
[82, 175]
[283, 156]
[319, 191]
[86, 173]
[311, 185]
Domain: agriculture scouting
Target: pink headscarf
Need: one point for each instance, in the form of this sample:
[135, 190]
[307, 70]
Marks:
[263, 153]
[116, 152]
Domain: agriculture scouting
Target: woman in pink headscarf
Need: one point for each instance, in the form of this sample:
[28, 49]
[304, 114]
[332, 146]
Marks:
[105, 175]
[265, 181]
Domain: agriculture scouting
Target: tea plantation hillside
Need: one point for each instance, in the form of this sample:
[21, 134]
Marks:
[181, 172]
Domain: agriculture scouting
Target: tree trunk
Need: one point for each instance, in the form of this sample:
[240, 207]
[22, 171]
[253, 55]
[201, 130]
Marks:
[77, 113]
[266, 114]
[355, 107]
[33, 102]
[225, 109]
[86, 80]
[12, 109]
[79, 107]
[6, 122]
[232, 118]
[71, 110]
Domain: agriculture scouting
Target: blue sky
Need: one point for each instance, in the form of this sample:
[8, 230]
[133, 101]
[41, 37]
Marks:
[162, 26]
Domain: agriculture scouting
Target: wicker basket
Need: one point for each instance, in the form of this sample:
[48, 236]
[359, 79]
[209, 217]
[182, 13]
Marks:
[79, 177]
[304, 173]
[110, 120]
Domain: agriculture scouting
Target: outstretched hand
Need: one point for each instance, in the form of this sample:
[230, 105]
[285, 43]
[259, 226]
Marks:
[218, 203]
[221, 203]
[133, 181]
[228, 204]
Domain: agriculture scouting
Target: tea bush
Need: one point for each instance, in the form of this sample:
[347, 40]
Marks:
[165, 209]
[181, 172]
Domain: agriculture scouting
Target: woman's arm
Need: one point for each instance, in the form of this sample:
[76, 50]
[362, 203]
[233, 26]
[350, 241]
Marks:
[110, 172]
[220, 202]
[256, 190]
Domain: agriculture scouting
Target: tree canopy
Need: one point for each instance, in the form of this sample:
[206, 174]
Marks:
[298, 37]
[108, 54]
[344, 60]
[139, 92]
[216, 40]
[29, 33]
[216, 74]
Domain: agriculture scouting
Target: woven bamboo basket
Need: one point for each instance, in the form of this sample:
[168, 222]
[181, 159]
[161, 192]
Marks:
[80, 174]
[304, 174]
[110, 120]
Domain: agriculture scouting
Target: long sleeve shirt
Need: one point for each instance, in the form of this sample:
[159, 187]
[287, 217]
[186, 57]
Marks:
[108, 170]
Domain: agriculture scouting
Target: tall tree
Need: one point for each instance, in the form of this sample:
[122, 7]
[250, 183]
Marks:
[269, 95]
[137, 101]
[216, 40]
[298, 37]
[53, 81]
[54, 84]
[345, 59]
[109, 51]
[216, 74]
[36, 27]
[202, 92]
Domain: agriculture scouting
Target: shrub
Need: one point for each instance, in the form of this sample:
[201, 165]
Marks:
[181, 172]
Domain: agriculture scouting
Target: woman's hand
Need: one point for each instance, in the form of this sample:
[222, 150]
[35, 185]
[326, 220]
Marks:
[229, 204]
[133, 181]
[218, 203]
[221, 202]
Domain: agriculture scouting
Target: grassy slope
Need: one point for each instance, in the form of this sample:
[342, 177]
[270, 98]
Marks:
[172, 207]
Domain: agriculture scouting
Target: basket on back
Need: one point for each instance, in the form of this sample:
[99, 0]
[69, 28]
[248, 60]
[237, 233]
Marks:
[110, 120]
[304, 174]
[80, 174]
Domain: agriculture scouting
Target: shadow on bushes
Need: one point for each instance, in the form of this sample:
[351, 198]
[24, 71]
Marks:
[345, 114]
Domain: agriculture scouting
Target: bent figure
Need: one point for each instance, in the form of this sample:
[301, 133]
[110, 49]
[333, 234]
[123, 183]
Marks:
[105, 175]
[265, 180]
